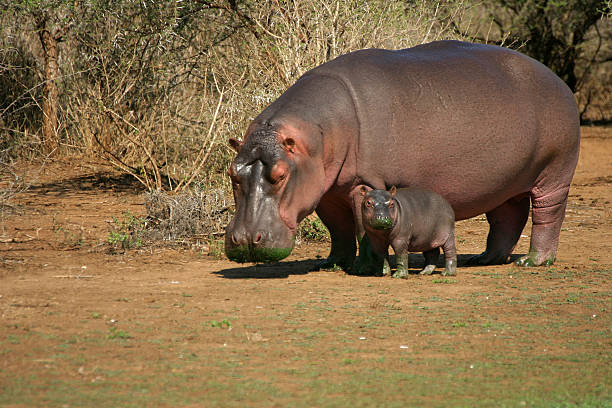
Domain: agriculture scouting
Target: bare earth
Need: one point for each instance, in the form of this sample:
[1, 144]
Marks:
[80, 326]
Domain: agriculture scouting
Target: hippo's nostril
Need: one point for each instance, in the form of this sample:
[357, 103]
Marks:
[257, 238]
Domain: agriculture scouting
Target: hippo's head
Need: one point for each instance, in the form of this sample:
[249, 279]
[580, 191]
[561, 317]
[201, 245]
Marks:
[277, 178]
[378, 208]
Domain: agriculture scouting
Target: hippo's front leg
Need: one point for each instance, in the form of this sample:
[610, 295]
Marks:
[372, 255]
[402, 264]
[338, 218]
[369, 262]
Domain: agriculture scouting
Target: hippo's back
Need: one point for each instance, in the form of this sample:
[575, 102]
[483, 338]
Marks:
[478, 124]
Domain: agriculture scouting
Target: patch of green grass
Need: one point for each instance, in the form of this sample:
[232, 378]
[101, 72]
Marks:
[444, 280]
[116, 333]
[216, 248]
[225, 323]
[13, 339]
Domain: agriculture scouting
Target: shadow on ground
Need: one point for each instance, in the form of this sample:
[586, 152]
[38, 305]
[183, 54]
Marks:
[285, 269]
[97, 181]
[271, 271]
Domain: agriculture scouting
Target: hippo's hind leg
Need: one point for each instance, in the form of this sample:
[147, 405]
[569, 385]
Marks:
[547, 216]
[506, 223]
[338, 218]
[450, 255]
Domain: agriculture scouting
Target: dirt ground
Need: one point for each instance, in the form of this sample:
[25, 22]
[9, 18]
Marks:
[80, 326]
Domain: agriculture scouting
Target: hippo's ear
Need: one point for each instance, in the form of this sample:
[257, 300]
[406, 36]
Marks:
[392, 190]
[235, 143]
[363, 191]
[289, 145]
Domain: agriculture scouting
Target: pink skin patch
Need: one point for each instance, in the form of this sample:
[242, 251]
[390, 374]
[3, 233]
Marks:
[307, 185]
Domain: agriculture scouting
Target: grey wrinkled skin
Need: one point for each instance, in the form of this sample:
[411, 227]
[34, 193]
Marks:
[490, 129]
[410, 220]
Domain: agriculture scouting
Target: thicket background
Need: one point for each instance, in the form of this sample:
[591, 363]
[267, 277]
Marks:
[156, 87]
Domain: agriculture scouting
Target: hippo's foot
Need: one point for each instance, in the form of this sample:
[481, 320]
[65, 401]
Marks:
[428, 270]
[532, 259]
[451, 268]
[402, 265]
[401, 273]
[489, 258]
[334, 263]
[368, 263]
[365, 266]
[386, 270]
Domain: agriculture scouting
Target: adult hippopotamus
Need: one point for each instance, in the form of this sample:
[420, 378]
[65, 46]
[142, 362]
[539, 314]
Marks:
[488, 128]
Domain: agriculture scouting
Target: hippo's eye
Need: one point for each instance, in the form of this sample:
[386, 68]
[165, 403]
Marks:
[391, 204]
[369, 203]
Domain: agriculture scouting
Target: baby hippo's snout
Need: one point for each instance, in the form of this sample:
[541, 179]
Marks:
[381, 222]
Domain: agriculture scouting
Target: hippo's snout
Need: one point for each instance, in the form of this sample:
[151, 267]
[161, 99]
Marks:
[257, 245]
[243, 238]
[381, 223]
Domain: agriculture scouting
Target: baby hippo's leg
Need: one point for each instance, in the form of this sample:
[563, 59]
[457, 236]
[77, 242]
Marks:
[402, 264]
[386, 269]
[450, 255]
[431, 259]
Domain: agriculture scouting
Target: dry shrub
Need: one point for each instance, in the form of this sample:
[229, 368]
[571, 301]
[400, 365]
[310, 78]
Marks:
[159, 99]
[199, 215]
[176, 135]
[157, 87]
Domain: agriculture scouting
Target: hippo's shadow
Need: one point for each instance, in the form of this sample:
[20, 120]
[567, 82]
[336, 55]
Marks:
[274, 270]
[282, 270]
[416, 262]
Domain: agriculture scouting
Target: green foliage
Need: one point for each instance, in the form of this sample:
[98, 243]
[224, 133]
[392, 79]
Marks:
[125, 232]
[444, 280]
[312, 229]
[216, 248]
[116, 334]
[225, 323]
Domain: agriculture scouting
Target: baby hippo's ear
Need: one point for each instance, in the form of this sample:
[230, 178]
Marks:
[392, 190]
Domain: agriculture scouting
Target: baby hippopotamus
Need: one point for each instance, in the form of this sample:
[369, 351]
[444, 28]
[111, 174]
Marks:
[410, 220]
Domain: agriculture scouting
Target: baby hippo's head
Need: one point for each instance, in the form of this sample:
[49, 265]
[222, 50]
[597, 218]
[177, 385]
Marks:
[378, 208]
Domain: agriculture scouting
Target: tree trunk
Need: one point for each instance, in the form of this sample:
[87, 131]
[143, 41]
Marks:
[51, 94]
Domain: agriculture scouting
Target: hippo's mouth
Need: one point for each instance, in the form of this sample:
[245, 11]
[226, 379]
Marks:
[381, 223]
[245, 253]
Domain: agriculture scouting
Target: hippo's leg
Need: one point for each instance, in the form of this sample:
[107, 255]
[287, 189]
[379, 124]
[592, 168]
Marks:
[370, 253]
[372, 260]
[431, 259]
[450, 255]
[386, 267]
[547, 216]
[402, 264]
[338, 218]
[506, 223]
